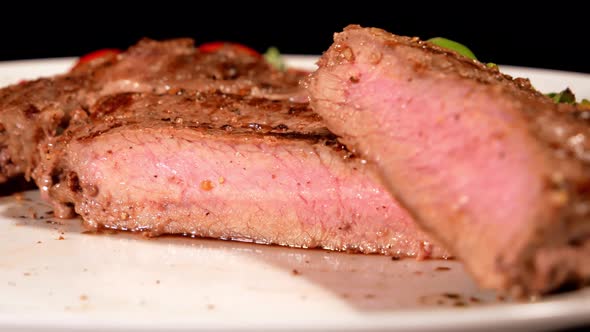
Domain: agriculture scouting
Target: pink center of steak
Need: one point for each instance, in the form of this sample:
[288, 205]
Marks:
[453, 139]
[254, 179]
[448, 150]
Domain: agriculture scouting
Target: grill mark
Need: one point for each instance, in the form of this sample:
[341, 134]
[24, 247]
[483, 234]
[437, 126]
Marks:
[112, 103]
[329, 138]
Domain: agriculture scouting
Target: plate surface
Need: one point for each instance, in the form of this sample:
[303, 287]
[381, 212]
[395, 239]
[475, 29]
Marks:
[53, 276]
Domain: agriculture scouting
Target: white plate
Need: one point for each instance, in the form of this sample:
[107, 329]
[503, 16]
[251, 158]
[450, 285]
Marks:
[53, 276]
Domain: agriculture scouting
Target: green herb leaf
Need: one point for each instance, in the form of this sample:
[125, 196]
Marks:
[274, 57]
[453, 46]
[566, 96]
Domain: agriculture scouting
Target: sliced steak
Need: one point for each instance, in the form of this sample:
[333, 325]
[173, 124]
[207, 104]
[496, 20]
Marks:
[223, 166]
[31, 111]
[487, 164]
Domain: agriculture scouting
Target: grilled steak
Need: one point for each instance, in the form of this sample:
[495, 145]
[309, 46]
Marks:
[222, 166]
[487, 164]
[37, 109]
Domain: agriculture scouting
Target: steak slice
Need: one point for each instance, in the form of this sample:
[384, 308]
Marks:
[34, 110]
[491, 167]
[223, 166]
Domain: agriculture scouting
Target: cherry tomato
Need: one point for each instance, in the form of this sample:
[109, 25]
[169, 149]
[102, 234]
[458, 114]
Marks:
[96, 55]
[215, 46]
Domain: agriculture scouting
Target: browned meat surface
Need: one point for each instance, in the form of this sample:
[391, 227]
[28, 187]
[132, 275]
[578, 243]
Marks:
[222, 166]
[37, 109]
[492, 168]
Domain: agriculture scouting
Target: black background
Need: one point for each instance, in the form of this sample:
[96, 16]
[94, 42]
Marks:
[547, 36]
[535, 36]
